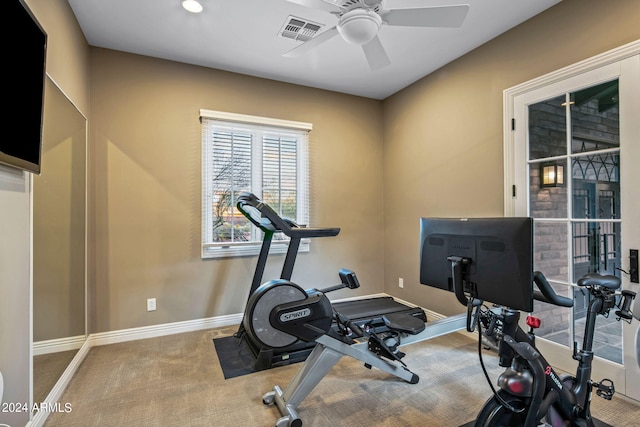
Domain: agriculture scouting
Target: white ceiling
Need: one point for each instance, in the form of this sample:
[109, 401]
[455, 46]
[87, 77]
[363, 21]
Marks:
[242, 36]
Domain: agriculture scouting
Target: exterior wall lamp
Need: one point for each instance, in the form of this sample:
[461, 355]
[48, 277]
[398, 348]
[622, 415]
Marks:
[551, 175]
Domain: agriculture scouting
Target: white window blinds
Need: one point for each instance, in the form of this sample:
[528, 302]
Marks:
[246, 153]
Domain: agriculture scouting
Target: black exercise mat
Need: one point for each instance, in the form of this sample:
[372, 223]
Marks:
[235, 356]
[237, 359]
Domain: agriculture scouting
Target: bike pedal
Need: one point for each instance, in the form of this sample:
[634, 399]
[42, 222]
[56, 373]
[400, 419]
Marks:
[605, 389]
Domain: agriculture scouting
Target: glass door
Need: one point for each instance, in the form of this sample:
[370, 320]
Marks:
[574, 155]
[574, 198]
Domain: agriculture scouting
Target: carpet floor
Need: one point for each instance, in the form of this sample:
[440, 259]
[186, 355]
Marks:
[177, 380]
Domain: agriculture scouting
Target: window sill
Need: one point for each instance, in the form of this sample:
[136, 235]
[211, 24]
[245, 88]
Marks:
[231, 250]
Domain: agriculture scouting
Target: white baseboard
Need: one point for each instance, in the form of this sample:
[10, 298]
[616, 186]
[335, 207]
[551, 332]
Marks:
[123, 335]
[132, 334]
[58, 345]
[432, 315]
[333, 301]
[53, 398]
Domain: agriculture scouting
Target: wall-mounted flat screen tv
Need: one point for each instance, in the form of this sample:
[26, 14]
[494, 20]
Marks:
[25, 57]
[498, 254]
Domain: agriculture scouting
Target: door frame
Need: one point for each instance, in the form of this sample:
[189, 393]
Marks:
[627, 60]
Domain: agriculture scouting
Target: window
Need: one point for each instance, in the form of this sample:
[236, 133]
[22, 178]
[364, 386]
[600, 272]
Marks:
[268, 157]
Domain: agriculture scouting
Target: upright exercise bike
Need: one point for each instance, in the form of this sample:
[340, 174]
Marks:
[267, 220]
[530, 390]
[362, 311]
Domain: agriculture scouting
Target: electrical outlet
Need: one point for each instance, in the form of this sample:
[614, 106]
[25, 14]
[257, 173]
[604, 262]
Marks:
[401, 282]
[151, 304]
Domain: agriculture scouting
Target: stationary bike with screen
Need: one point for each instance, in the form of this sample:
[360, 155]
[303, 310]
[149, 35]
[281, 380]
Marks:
[491, 259]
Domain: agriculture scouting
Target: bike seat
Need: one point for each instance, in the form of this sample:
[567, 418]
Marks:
[595, 279]
[403, 322]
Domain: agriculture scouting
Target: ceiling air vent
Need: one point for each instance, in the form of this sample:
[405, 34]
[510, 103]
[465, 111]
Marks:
[299, 29]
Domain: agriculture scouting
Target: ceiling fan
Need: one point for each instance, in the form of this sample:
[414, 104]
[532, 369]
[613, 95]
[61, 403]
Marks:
[360, 20]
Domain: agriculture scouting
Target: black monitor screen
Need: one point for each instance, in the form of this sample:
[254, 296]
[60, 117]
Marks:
[498, 254]
[24, 56]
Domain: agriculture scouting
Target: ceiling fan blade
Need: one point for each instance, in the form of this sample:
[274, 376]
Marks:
[375, 53]
[317, 4]
[438, 16]
[311, 44]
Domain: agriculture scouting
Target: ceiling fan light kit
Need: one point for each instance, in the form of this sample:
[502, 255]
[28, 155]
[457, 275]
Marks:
[192, 6]
[359, 26]
[360, 20]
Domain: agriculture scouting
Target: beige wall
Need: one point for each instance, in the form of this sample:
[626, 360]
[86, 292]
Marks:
[443, 134]
[146, 143]
[67, 50]
[442, 156]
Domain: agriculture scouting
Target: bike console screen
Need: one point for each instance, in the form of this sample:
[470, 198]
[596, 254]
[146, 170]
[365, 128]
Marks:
[494, 257]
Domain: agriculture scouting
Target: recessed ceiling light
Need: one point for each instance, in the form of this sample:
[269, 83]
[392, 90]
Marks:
[192, 6]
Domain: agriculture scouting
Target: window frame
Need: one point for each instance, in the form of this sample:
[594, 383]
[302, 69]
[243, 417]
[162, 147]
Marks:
[214, 250]
[514, 184]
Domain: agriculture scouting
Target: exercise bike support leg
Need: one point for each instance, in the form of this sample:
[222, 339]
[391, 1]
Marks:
[327, 352]
[318, 364]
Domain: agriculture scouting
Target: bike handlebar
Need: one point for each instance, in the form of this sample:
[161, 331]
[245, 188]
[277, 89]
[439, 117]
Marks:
[546, 292]
[625, 311]
[265, 218]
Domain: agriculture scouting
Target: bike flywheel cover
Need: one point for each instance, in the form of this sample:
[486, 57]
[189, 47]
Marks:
[260, 305]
